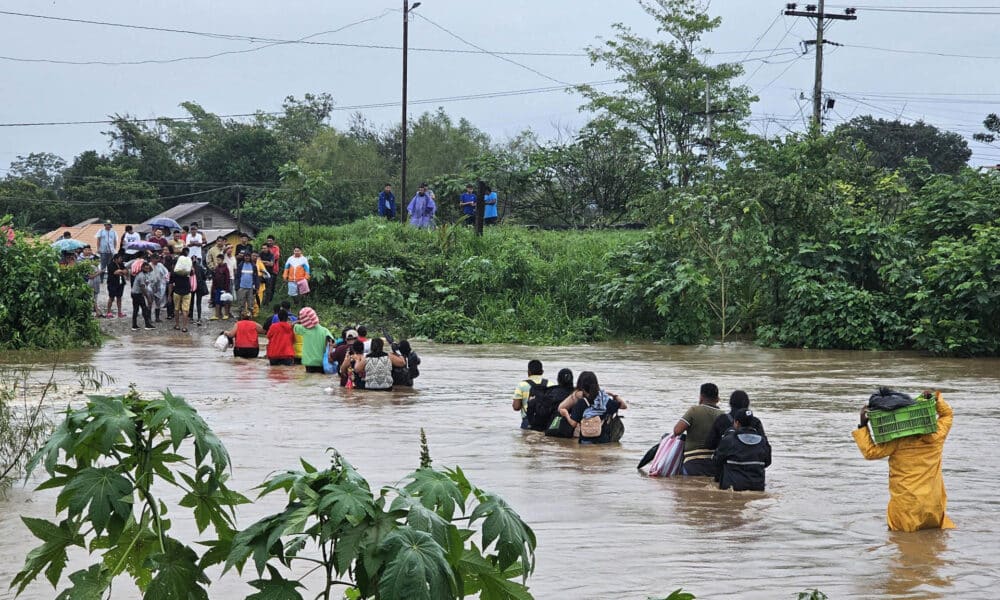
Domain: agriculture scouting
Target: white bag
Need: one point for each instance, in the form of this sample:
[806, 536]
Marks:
[222, 342]
[225, 297]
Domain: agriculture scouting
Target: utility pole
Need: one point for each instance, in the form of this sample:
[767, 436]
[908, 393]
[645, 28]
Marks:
[708, 125]
[821, 17]
[480, 207]
[406, 41]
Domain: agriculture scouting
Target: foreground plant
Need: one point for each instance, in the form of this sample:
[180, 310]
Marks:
[410, 542]
[105, 459]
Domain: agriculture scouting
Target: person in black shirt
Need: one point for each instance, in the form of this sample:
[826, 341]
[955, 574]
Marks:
[723, 423]
[244, 247]
[181, 286]
[742, 455]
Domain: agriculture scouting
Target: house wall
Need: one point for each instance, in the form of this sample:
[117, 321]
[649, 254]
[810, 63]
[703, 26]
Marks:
[210, 218]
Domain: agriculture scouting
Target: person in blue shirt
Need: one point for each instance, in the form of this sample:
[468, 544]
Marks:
[468, 206]
[490, 214]
[387, 203]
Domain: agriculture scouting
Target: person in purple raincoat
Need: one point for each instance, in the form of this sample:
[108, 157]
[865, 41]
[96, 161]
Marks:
[422, 208]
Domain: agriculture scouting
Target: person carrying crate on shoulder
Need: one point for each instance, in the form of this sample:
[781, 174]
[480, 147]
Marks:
[917, 498]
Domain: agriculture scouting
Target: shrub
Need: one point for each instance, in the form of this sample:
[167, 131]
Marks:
[42, 305]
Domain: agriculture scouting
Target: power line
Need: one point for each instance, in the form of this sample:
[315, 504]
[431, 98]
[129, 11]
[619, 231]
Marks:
[269, 41]
[788, 30]
[485, 95]
[481, 49]
[922, 52]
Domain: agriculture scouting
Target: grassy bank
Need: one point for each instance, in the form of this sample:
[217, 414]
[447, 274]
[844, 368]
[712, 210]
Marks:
[512, 285]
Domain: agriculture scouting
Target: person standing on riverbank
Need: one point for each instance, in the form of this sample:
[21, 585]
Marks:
[422, 208]
[107, 245]
[387, 203]
[490, 215]
[917, 498]
[297, 275]
[697, 423]
[468, 205]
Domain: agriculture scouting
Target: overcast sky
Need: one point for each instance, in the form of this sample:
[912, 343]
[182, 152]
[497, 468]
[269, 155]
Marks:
[888, 79]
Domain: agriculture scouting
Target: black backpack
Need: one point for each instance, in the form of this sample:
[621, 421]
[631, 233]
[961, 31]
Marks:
[541, 405]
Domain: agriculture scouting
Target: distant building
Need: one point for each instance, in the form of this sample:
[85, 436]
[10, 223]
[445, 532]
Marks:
[86, 231]
[205, 214]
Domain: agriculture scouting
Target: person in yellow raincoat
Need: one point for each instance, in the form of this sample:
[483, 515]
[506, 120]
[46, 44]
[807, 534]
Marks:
[917, 499]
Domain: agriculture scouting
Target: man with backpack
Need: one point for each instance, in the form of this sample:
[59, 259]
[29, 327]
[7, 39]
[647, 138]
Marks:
[530, 390]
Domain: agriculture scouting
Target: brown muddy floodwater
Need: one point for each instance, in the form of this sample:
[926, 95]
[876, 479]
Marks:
[604, 530]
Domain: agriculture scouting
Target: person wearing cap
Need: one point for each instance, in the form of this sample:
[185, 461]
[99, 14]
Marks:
[339, 354]
[314, 339]
[422, 208]
[244, 247]
[917, 498]
[742, 455]
[107, 245]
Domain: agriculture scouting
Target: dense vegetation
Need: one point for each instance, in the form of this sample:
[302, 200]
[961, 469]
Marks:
[874, 235]
[42, 305]
[436, 536]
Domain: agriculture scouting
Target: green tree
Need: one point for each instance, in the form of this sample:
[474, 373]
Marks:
[992, 125]
[893, 142]
[413, 541]
[43, 169]
[110, 460]
[49, 307]
[666, 89]
[113, 192]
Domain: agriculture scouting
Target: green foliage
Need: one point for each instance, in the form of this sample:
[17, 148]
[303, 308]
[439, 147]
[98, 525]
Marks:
[678, 594]
[106, 458]
[666, 84]
[812, 594]
[893, 142]
[413, 541]
[511, 285]
[958, 304]
[42, 304]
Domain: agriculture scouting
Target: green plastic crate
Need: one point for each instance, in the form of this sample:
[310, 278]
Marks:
[917, 419]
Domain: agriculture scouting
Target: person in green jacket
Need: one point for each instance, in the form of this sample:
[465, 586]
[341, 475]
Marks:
[314, 338]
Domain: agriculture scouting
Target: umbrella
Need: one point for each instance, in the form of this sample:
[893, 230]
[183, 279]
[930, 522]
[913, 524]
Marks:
[68, 245]
[164, 222]
[141, 245]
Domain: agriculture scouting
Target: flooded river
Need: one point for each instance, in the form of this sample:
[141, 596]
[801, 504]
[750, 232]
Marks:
[604, 530]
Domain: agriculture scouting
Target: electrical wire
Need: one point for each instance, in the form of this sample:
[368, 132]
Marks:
[481, 49]
[788, 30]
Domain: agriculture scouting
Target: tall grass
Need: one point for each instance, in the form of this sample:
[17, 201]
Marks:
[510, 285]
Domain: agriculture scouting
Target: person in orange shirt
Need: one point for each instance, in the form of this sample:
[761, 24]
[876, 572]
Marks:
[297, 275]
[281, 341]
[917, 499]
[244, 335]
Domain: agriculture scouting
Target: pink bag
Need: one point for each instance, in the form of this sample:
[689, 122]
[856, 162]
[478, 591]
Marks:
[668, 459]
[303, 286]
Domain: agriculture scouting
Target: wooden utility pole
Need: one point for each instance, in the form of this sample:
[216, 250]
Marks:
[406, 39]
[480, 207]
[821, 17]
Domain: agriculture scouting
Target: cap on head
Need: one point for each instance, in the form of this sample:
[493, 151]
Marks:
[351, 335]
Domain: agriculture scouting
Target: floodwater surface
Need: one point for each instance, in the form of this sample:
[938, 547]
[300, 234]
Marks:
[605, 530]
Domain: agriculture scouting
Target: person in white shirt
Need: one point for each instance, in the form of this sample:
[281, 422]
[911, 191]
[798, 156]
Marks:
[130, 237]
[107, 245]
[195, 240]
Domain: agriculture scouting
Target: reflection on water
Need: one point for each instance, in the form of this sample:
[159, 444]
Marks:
[821, 522]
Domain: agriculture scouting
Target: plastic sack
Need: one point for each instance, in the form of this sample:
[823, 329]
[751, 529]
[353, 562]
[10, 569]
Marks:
[222, 342]
[886, 399]
[328, 367]
[293, 288]
[668, 459]
[303, 286]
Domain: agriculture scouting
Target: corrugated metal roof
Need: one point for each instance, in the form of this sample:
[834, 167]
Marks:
[86, 233]
[181, 210]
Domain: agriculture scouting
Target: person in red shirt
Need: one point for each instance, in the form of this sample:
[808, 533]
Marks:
[276, 251]
[244, 335]
[281, 341]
